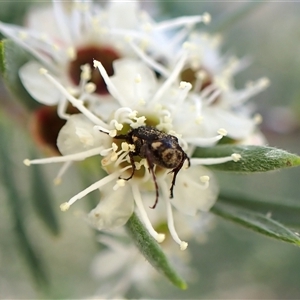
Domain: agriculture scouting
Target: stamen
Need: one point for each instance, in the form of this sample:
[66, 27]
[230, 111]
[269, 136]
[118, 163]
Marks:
[65, 206]
[71, 157]
[171, 79]
[149, 61]
[113, 90]
[63, 169]
[138, 201]
[201, 142]
[76, 103]
[215, 160]
[182, 21]
[183, 245]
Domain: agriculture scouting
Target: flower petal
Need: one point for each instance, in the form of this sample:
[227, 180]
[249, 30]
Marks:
[190, 195]
[37, 85]
[78, 135]
[127, 73]
[114, 209]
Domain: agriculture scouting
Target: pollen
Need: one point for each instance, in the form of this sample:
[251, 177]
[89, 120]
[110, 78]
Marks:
[27, 162]
[71, 52]
[236, 157]
[138, 79]
[119, 183]
[43, 71]
[222, 131]
[90, 87]
[204, 178]
[183, 246]
[64, 206]
[160, 237]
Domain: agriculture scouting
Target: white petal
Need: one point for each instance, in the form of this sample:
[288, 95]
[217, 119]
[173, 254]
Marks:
[189, 194]
[122, 14]
[126, 73]
[37, 85]
[237, 126]
[114, 209]
[78, 135]
[41, 19]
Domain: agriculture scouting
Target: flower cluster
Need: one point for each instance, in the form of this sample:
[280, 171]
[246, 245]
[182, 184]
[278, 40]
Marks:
[146, 94]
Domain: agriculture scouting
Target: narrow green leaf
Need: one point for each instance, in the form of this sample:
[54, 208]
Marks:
[282, 210]
[152, 251]
[43, 201]
[253, 158]
[257, 222]
[13, 58]
[17, 210]
[231, 17]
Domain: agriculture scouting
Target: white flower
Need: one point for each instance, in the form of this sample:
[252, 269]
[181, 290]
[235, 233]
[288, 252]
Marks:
[143, 101]
[65, 39]
[211, 74]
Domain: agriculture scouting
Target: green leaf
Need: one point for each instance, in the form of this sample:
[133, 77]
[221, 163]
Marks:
[253, 158]
[13, 11]
[17, 210]
[152, 251]
[282, 210]
[42, 200]
[257, 222]
[13, 57]
[231, 17]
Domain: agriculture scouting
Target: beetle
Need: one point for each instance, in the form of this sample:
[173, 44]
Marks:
[158, 148]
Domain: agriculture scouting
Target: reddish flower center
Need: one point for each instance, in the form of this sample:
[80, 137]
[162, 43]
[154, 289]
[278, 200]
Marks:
[189, 75]
[86, 55]
[45, 126]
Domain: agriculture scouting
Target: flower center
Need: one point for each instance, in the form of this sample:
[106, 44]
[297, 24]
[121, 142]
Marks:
[86, 56]
[190, 75]
[46, 125]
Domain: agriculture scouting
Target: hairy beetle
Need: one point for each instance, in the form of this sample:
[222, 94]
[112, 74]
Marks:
[158, 148]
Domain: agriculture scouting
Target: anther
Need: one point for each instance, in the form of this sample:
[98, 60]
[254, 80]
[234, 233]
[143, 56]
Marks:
[222, 132]
[27, 162]
[206, 18]
[64, 206]
[236, 157]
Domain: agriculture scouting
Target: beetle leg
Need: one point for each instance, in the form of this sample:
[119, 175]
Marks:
[175, 172]
[147, 154]
[133, 167]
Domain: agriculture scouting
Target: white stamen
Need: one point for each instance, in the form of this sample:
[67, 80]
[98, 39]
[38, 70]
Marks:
[170, 80]
[183, 245]
[215, 160]
[63, 169]
[112, 88]
[201, 142]
[182, 21]
[93, 187]
[71, 157]
[76, 103]
[149, 61]
[138, 201]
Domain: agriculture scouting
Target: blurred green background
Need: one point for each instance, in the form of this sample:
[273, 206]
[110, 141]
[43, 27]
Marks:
[234, 263]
